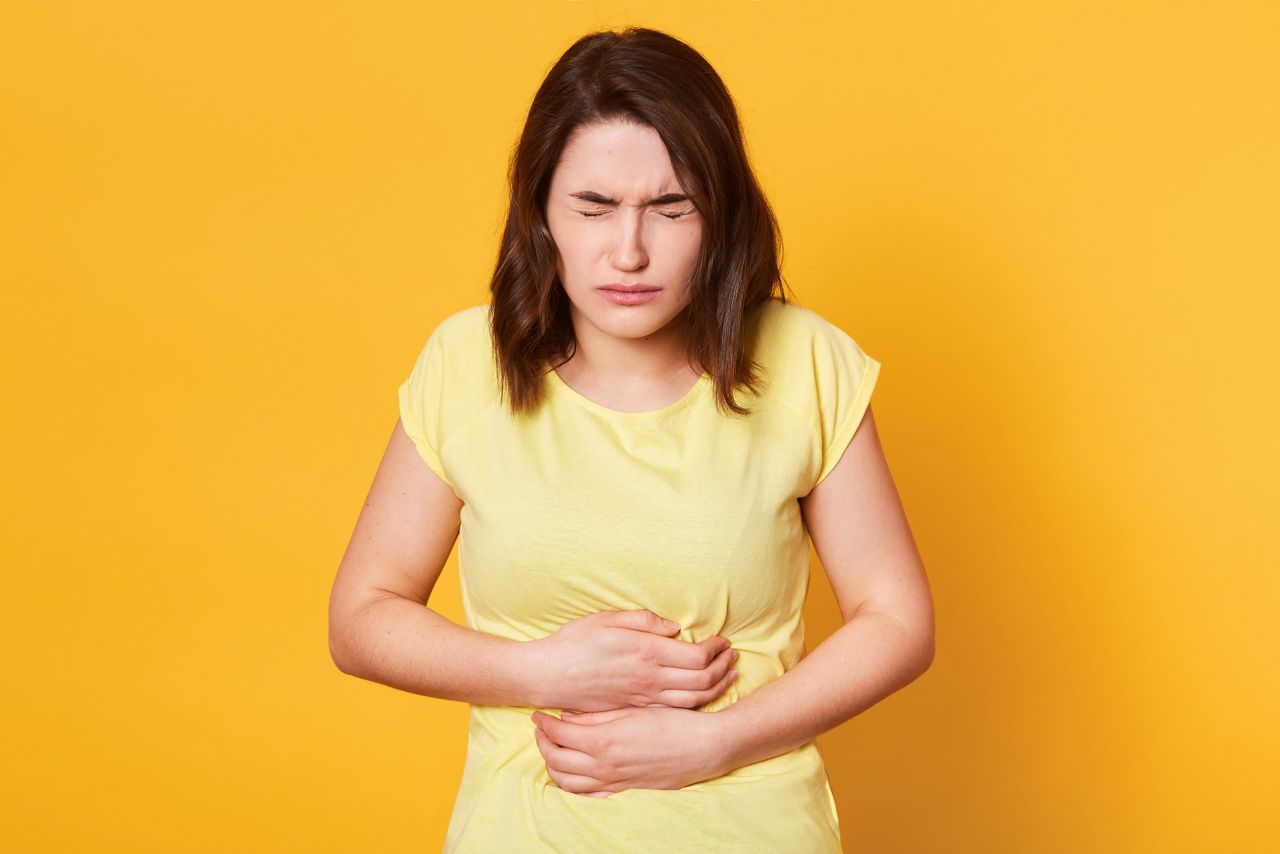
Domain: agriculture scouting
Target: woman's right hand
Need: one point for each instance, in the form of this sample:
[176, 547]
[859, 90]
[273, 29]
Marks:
[614, 659]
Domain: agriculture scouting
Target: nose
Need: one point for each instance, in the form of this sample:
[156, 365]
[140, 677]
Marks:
[628, 247]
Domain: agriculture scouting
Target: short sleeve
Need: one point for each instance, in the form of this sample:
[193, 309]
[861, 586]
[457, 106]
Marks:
[844, 377]
[421, 403]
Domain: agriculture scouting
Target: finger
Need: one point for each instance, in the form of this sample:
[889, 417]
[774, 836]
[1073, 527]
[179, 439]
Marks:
[673, 652]
[642, 620]
[600, 717]
[565, 733]
[576, 783]
[564, 760]
[679, 678]
[696, 699]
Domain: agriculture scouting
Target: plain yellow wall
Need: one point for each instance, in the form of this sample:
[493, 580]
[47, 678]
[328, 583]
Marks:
[227, 229]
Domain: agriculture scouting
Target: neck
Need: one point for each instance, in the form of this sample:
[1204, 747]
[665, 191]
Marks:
[655, 358]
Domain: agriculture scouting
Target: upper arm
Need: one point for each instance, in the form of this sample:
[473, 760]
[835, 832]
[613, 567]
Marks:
[403, 536]
[859, 529]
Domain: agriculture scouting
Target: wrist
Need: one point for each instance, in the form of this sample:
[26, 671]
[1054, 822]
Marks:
[729, 741]
[526, 663]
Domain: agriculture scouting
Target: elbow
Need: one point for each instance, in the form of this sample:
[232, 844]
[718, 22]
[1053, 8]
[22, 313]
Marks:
[347, 635]
[335, 655]
[344, 660]
[343, 637]
[919, 624]
[927, 653]
[915, 630]
[926, 645]
[918, 645]
[339, 649]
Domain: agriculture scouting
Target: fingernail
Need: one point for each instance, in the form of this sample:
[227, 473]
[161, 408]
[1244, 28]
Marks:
[734, 656]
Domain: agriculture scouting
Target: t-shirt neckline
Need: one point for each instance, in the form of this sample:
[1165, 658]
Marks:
[563, 389]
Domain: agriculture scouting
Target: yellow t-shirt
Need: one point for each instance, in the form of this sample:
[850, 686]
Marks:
[579, 508]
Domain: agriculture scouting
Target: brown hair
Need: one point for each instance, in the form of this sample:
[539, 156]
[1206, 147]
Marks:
[654, 79]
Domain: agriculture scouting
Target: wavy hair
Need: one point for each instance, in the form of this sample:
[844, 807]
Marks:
[651, 78]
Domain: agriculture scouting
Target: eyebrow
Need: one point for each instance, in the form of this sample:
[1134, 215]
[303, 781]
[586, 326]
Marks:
[596, 198]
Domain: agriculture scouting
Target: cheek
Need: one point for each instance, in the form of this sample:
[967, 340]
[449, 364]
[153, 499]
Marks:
[569, 256]
[568, 239]
[563, 243]
[690, 246]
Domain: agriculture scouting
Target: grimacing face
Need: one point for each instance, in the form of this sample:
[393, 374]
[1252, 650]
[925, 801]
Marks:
[619, 217]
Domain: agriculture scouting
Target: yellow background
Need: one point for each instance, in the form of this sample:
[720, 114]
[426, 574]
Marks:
[227, 229]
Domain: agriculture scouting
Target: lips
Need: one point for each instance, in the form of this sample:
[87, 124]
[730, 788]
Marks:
[634, 296]
[629, 289]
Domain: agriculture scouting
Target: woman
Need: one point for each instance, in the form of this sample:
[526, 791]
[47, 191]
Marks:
[636, 429]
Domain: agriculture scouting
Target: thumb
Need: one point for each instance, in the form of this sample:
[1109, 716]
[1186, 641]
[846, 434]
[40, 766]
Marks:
[600, 717]
[644, 620]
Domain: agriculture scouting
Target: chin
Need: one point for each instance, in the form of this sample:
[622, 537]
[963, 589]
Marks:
[635, 324]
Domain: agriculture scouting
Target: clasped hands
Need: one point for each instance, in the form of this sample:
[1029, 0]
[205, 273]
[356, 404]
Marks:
[639, 689]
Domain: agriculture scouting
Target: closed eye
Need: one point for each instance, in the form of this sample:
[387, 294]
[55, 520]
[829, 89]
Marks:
[593, 214]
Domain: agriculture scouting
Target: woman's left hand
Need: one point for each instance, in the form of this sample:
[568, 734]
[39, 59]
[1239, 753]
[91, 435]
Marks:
[643, 747]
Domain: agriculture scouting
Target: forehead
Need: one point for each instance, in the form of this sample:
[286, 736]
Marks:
[617, 156]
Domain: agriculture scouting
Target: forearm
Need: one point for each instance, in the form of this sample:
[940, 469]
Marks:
[864, 661]
[405, 645]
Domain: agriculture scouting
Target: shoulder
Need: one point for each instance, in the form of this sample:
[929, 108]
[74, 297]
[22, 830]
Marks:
[457, 359]
[470, 318]
[811, 363]
[790, 317]
[792, 339]
[463, 327]
[461, 339]
[815, 368]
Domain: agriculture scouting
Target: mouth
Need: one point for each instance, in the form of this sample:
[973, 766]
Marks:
[629, 289]
[633, 295]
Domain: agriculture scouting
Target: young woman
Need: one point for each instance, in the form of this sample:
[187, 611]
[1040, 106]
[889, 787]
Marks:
[633, 443]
